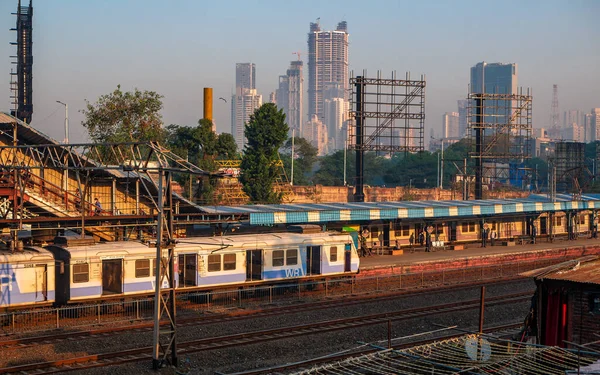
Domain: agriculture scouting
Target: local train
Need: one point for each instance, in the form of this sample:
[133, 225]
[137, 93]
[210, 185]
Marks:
[65, 273]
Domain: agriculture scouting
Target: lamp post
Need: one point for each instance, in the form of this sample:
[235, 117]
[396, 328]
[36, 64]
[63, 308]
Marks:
[66, 121]
[292, 171]
[66, 173]
[441, 165]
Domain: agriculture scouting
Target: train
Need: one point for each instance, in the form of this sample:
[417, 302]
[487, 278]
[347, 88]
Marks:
[78, 271]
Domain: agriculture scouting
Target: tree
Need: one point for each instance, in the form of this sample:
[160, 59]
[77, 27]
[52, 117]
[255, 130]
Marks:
[226, 146]
[266, 131]
[125, 117]
[306, 156]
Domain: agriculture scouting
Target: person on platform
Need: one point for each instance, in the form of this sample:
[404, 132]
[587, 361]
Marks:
[533, 233]
[421, 238]
[484, 235]
[97, 207]
[428, 242]
[493, 236]
[411, 240]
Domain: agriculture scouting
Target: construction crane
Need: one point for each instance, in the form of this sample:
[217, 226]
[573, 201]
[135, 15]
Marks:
[297, 53]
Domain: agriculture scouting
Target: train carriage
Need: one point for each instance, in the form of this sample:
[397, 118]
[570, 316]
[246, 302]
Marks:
[26, 277]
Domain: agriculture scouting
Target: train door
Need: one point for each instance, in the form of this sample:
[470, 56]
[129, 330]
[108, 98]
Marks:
[187, 269]
[313, 260]
[543, 225]
[112, 276]
[347, 258]
[452, 231]
[41, 285]
[254, 262]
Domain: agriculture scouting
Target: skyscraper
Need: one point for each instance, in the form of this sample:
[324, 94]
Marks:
[495, 78]
[327, 63]
[450, 124]
[245, 75]
[462, 118]
[595, 124]
[244, 102]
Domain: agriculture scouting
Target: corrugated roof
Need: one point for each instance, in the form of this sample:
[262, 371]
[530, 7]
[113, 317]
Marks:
[26, 133]
[582, 270]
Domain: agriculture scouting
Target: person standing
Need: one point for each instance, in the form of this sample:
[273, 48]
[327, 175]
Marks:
[97, 207]
[411, 240]
[428, 242]
[493, 236]
[533, 233]
[484, 235]
[421, 238]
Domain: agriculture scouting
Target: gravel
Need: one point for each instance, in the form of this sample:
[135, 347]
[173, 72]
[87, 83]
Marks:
[283, 351]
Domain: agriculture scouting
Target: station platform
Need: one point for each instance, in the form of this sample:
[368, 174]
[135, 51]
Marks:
[475, 256]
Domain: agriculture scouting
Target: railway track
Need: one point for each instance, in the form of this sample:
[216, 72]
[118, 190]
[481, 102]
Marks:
[20, 343]
[305, 365]
[221, 342]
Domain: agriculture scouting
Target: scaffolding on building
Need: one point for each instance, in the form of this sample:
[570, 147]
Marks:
[499, 127]
[388, 115]
[572, 175]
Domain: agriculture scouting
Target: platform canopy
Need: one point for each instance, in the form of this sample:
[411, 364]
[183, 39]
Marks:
[414, 210]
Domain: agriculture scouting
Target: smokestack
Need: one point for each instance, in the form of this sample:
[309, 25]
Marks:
[208, 103]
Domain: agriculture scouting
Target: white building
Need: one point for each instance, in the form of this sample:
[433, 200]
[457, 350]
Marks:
[595, 124]
[327, 63]
[451, 125]
[243, 104]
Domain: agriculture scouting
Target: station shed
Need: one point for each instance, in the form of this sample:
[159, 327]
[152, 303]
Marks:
[567, 303]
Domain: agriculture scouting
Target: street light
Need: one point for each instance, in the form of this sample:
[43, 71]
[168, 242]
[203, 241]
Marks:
[66, 173]
[441, 173]
[66, 120]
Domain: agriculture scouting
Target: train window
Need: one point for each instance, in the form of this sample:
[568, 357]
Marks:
[468, 227]
[277, 258]
[333, 254]
[142, 268]
[291, 257]
[214, 263]
[81, 273]
[228, 262]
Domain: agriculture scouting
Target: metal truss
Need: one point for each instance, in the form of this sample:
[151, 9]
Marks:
[388, 115]
[154, 166]
[500, 127]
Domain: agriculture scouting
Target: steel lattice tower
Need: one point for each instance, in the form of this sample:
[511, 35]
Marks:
[22, 95]
[554, 109]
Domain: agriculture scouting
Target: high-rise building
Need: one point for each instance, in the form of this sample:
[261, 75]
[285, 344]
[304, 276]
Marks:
[289, 96]
[495, 78]
[450, 124]
[587, 126]
[316, 133]
[462, 118]
[272, 97]
[245, 76]
[595, 124]
[243, 104]
[335, 115]
[327, 63]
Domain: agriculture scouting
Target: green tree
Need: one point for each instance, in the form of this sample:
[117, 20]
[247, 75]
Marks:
[226, 147]
[266, 131]
[306, 156]
[132, 116]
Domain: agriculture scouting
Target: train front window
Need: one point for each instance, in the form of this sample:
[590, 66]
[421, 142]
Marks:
[291, 257]
[277, 258]
[228, 262]
[142, 268]
[81, 273]
[333, 254]
[214, 263]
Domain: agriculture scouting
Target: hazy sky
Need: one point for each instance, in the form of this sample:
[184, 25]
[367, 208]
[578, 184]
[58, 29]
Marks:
[83, 49]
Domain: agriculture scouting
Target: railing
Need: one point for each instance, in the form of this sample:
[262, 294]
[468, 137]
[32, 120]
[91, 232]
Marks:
[77, 316]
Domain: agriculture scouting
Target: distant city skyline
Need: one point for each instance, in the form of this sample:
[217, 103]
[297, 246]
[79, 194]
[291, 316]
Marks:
[85, 49]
